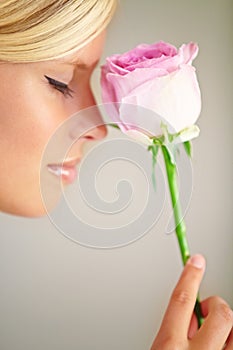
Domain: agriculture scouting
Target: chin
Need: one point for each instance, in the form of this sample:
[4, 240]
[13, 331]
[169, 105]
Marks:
[28, 209]
[27, 212]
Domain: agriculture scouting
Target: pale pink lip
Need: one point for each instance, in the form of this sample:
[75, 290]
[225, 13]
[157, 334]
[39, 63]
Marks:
[66, 171]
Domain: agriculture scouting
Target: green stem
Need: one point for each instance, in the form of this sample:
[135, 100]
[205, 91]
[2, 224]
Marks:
[179, 222]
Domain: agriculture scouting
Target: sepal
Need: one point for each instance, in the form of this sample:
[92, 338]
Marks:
[188, 148]
[154, 150]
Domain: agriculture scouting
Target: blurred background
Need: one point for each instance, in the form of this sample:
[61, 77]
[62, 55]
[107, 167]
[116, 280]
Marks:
[57, 294]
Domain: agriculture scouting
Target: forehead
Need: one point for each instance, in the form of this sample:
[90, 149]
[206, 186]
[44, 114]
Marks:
[88, 55]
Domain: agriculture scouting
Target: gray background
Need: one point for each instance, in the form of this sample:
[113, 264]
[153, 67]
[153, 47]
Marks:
[56, 294]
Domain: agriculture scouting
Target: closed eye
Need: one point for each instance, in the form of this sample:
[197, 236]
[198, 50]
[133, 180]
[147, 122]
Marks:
[60, 86]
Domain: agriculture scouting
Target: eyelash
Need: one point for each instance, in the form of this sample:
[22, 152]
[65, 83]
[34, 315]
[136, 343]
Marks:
[61, 87]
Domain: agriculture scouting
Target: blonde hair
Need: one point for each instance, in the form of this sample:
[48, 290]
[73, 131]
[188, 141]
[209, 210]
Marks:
[40, 30]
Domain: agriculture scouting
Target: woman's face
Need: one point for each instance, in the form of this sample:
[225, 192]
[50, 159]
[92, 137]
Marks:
[35, 98]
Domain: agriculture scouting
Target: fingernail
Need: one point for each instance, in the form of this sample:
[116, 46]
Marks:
[197, 261]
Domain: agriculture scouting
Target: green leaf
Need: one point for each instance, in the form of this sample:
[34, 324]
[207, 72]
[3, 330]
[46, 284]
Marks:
[114, 126]
[154, 150]
[158, 140]
[188, 148]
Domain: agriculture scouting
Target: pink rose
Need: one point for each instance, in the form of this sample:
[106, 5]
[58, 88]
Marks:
[158, 77]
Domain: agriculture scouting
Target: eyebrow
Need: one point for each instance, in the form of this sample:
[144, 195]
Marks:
[80, 64]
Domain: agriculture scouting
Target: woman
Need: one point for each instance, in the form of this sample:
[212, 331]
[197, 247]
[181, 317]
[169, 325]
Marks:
[48, 50]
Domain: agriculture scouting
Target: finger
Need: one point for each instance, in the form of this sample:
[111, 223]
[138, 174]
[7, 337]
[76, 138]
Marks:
[229, 342]
[193, 326]
[180, 309]
[217, 326]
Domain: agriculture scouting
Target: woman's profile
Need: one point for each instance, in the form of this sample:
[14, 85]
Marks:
[48, 51]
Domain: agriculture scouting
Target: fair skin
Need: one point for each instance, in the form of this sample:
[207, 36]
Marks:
[178, 330]
[31, 110]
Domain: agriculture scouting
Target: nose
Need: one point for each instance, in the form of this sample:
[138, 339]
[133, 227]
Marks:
[88, 124]
[92, 119]
[96, 133]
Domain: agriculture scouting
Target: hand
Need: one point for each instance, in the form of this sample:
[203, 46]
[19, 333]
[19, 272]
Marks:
[179, 326]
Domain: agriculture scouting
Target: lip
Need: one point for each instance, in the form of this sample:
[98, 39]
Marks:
[66, 171]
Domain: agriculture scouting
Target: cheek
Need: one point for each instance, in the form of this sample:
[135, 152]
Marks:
[27, 121]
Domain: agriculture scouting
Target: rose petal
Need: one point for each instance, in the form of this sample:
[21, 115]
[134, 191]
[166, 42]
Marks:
[175, 97]
[139, 136]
